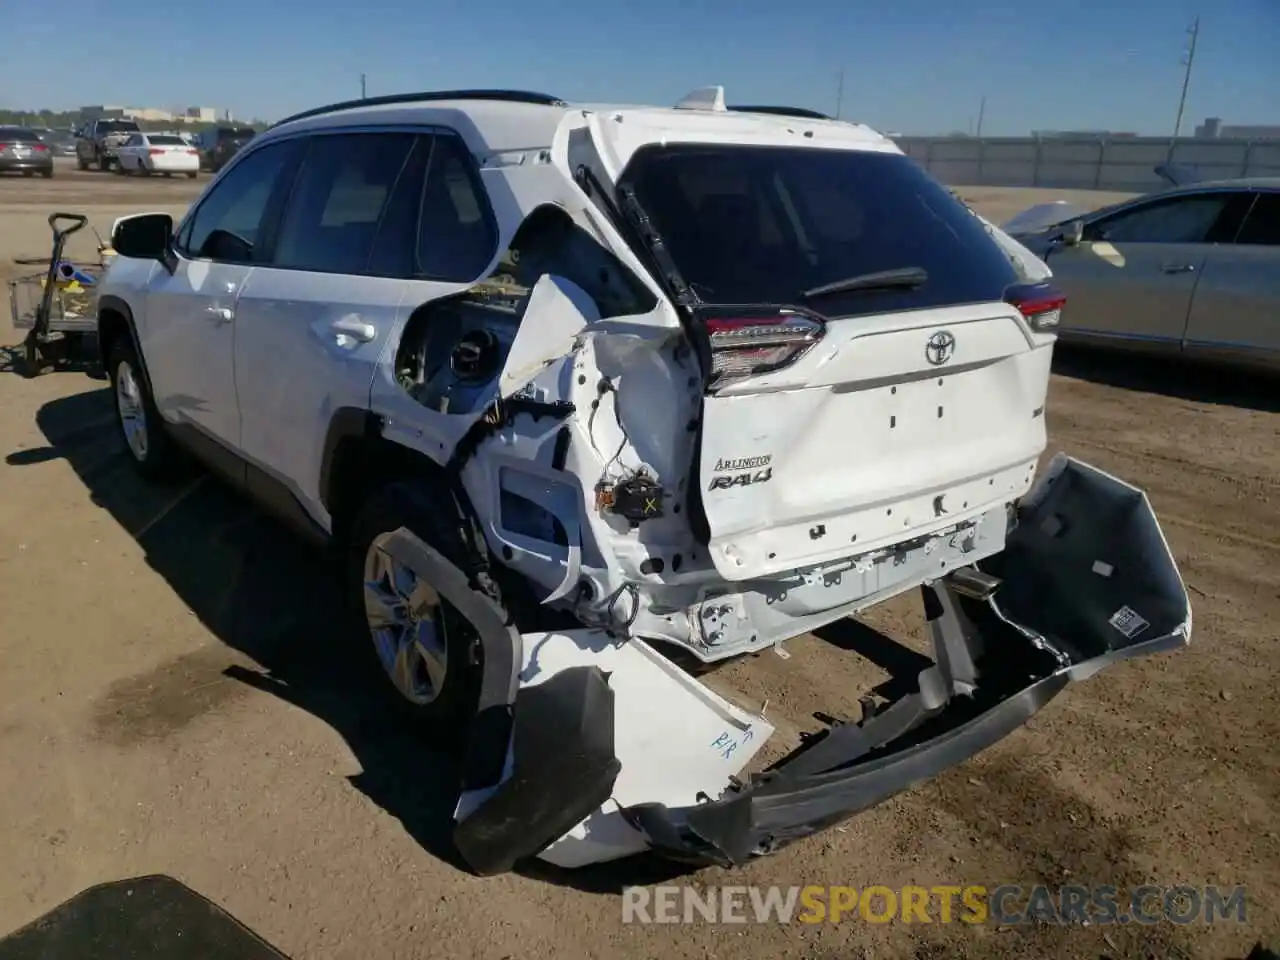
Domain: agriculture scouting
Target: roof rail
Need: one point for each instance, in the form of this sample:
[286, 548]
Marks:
[784, 112]
[509, 96]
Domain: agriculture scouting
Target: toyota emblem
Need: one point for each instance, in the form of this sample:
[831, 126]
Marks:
[940, 348]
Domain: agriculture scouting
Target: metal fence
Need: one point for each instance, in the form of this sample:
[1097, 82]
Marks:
[1122, 164]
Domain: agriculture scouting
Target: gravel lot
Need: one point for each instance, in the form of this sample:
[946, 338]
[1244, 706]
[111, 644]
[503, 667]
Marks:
[173, 701]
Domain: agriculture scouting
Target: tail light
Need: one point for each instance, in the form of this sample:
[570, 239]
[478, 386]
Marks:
[193, 153]
[1040, 303]
[746, 345]
[157, 151]
[3, 145]
[40, 148]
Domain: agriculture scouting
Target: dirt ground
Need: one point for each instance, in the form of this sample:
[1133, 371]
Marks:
[173, 701]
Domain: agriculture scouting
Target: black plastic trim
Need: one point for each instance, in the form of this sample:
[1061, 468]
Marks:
[347, 423]
[116, 304]
[506, 96]
[501, 655]
[563, 768]
[267, 491]
[799, 112]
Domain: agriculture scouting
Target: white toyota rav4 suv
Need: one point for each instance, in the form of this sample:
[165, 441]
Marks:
[572, 387]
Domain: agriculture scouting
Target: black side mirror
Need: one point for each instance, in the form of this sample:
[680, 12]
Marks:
[144, 236]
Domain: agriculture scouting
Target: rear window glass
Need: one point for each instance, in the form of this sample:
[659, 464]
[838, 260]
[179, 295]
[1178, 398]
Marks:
[751, 224]
[18, 135]
[234, 133]
[165, 141]
[117, 126]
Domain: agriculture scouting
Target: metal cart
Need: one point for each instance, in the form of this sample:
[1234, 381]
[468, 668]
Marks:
[58, 307]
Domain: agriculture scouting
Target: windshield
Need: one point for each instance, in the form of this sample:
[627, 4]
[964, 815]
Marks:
[117, 126]
[236, 133]
[748, 224]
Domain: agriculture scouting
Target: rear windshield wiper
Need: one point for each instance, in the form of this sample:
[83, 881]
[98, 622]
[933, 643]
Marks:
[903, 278]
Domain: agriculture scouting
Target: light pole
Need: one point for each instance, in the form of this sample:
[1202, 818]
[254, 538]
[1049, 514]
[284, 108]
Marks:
[1194, 32]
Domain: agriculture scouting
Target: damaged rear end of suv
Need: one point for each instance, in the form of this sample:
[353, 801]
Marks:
[678, 385]
[832, 392]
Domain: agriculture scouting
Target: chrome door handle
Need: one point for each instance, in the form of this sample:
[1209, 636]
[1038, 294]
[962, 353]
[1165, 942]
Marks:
[220, 315]
[1178, 267]
[355, 329]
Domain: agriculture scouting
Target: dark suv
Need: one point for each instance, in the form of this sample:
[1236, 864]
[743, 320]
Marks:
[220, 144]
[100, 139]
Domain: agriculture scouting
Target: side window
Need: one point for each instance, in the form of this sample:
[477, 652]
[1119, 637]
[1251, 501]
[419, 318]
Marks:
[226, 225]
[456, 236]
[1262, 225]
[1176, 220]
[548, 241]
[396, 239]
[332, 217]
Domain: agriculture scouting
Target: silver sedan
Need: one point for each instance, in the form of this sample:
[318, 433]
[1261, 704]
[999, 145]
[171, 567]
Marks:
[1193, 270]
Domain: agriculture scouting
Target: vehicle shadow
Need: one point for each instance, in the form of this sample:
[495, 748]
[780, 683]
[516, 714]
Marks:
[275, 598]
[81, 357]
[1201, 382]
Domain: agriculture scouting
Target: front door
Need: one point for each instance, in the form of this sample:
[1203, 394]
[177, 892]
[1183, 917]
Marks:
[190, 319]
[1134, 273]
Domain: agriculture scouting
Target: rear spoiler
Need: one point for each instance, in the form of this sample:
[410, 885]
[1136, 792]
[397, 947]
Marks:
[1178, 174]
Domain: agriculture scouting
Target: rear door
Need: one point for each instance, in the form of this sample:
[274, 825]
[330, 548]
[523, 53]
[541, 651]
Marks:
[882, 415]
[327, 298]
[1236, 310]
[1134, 273]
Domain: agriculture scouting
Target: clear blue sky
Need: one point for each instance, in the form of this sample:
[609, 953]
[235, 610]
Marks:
[917, 66]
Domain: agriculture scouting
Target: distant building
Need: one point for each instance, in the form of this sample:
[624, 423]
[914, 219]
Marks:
[149, 114]
[1213, 127]
[103, 112]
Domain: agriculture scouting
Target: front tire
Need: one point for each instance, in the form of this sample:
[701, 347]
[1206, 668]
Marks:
[150, 449]
[425, 653]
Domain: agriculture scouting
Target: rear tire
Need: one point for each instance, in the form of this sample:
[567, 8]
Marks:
[153, 453]
[47, 174]
[28, 173]
[191, 176]
[82, 163]
[434, 655]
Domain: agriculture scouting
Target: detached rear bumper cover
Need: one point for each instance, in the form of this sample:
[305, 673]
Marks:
[608, 735]
[1087, 580]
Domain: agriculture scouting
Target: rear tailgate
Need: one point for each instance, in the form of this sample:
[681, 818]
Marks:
[864, 442]
[899, 409]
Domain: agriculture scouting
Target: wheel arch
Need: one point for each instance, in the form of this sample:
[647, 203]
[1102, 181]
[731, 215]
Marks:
[115, 320]
[357, 460]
